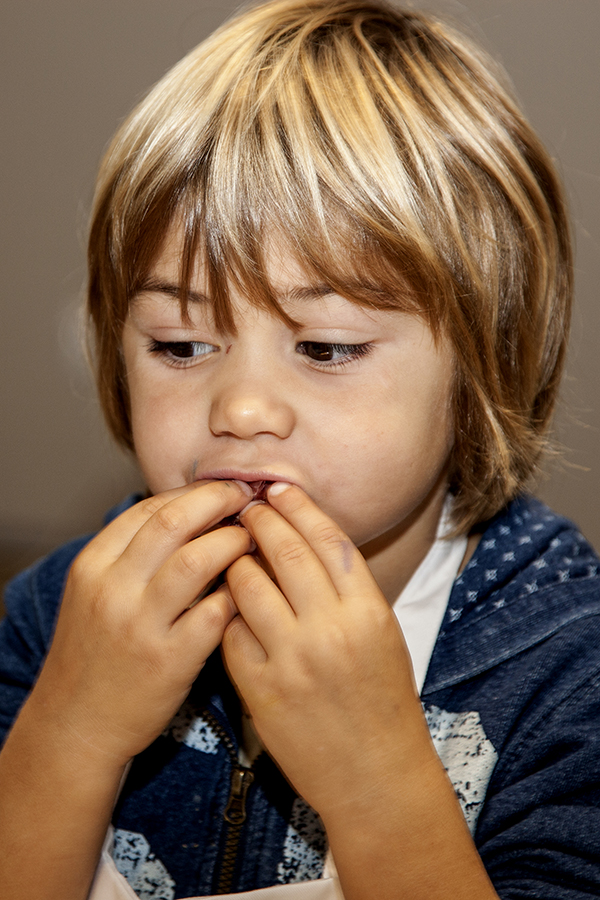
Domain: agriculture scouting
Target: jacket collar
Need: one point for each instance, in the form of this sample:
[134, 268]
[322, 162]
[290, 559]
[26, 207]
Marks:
[531, 574]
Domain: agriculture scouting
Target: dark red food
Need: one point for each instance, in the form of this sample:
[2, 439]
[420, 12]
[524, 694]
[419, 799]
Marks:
[260, 493]
[260, 489]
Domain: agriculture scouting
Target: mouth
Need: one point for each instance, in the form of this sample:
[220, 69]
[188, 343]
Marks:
[259, 492]
[258, 479]
[259, 488]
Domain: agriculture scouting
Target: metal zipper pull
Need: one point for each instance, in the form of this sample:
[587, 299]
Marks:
[235, 811]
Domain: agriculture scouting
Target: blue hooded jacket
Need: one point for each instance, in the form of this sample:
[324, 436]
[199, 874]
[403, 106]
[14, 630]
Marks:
[512, 699]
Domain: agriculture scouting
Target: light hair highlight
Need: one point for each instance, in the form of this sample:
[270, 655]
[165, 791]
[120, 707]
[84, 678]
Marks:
[384, 151]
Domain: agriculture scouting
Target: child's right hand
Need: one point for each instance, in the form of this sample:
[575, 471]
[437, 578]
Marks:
[127, 648]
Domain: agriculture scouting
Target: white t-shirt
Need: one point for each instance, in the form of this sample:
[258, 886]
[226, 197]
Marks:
[421, 606]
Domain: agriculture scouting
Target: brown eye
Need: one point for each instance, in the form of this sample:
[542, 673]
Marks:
[332, 354]
[181, 351]
[317, 351]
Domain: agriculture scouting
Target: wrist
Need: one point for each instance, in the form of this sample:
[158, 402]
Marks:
[65, 739]
[406, 835]
[56, 801]
[375, 765]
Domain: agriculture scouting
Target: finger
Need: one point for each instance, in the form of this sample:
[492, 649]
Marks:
[175, 523]
[239, 645]
[265, 610]
[344, 563]
[199, 630]
[298, 571]
[191, 569]
[114, 537]
[242, 651]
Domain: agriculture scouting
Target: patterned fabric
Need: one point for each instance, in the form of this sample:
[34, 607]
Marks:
[136, 862]
[512, 700]
[305, 846]
[468, 757]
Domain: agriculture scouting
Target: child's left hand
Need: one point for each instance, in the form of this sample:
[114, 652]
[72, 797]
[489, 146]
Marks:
[319, 658]
[318, 655]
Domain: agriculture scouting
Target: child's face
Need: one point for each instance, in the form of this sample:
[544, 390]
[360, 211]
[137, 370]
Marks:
[354, 406]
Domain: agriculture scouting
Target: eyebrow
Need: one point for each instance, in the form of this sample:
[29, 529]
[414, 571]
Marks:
[309, 293]
[158, 286]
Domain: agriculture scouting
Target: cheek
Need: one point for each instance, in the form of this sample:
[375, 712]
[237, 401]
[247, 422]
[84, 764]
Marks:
[163, 437]
[391, 460]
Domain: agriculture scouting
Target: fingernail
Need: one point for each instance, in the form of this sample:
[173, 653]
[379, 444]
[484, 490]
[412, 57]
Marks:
[278, 488]
[245, 487]
[250, 505]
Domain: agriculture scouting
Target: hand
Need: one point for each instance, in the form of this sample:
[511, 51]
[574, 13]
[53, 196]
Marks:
[319, 658]
[127, 646]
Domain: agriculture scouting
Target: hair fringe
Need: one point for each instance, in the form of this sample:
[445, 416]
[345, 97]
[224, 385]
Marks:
[386, 153]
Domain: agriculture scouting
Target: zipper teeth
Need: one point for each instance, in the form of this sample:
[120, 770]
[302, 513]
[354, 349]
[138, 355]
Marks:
[234, 830]
[229, 859]
[216, 726]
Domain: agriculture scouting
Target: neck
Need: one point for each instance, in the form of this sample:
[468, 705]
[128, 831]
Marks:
[395, 556]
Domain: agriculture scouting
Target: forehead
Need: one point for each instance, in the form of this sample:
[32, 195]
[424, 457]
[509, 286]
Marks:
[276, 279]
[286, 283]
[282, 266]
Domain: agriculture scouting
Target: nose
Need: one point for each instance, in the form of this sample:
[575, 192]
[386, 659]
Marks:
[250, 403]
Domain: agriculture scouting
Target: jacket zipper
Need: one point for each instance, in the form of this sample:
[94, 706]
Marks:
[234, 813]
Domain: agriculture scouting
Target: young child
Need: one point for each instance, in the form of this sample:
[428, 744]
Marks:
[330, 281]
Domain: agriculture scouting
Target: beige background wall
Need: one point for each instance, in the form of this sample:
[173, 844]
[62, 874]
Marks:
[71, 70]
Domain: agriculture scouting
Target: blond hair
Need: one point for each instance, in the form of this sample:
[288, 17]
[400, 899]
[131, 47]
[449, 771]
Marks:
[385, 151]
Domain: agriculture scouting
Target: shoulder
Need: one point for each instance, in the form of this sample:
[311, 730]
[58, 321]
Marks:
[532, 575]
[525, 550]
[529, 550]
[512, 700]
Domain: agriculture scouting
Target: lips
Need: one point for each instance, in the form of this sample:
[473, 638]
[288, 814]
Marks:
[259, 488]
[258, 479]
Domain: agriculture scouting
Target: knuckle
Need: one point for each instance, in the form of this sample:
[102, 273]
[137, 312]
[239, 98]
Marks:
[234, 637]
[85, 570]
[167, 520]
[193, 561]
[151, 505]
[244, 580]
[215, 617]
[234, 630]
[328, 535]
[290, 553]
[79, 568]
[335, 643]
